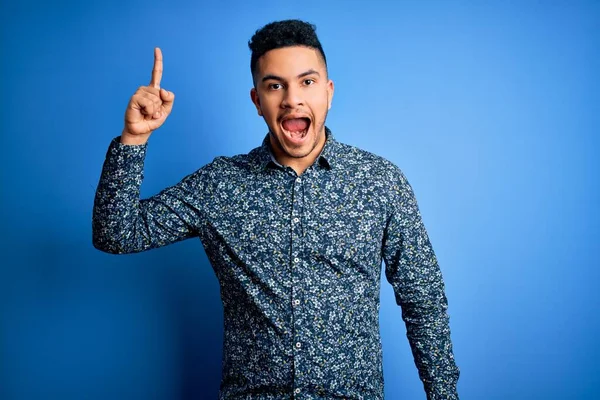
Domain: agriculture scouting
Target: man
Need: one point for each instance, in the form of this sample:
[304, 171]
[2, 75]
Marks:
[295, 230]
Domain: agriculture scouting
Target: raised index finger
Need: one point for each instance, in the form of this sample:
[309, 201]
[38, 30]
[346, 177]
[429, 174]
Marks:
[158, 69]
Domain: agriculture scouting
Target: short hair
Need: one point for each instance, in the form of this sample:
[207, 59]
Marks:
[287, 33]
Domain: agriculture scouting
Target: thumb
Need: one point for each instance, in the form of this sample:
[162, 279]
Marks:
[167, 98]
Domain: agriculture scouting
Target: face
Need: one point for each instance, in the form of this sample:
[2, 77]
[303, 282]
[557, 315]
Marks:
[293, 94]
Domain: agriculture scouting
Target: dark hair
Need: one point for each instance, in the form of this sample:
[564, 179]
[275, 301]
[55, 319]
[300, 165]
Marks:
[291, 32]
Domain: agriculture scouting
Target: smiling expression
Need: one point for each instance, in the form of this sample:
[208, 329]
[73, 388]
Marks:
[293, 94]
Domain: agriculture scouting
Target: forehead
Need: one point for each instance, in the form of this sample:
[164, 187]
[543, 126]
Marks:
[289, 61]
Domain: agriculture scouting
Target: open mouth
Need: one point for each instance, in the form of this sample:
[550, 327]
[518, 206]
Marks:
[296, 128]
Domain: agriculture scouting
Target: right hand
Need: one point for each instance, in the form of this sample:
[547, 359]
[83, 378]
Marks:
[148, 108]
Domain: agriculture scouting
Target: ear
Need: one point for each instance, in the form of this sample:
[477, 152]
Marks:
[255, 100]
[330, 89]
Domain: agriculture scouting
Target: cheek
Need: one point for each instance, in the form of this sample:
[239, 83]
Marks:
[320, 104]
[270, 107]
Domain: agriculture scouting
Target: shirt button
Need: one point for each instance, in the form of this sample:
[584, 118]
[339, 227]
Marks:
[299, 180]
[296, 220]
[297, 391]
[296, 259]
[298, 345]
[296, 302]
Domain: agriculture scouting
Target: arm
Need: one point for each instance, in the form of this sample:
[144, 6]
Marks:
[412, 270]
[122, 223]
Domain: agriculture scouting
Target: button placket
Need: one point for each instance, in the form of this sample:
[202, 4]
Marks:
[297, 272]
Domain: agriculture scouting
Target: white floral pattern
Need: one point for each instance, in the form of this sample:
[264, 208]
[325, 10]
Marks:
[298, 259]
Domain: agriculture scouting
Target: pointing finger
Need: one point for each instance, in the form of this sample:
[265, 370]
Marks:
[158, 68]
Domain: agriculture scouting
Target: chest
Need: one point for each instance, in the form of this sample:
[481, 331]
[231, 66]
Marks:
[321, 213]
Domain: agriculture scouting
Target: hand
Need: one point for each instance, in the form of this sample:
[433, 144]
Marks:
[148, 108]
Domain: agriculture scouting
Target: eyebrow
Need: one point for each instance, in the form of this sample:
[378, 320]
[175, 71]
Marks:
[278, 78]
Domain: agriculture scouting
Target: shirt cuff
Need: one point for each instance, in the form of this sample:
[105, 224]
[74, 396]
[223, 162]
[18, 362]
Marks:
[122, 154]
[125, 161]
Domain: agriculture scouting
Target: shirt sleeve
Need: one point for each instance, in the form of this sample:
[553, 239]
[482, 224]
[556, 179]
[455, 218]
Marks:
[122, 223]
[412, 269]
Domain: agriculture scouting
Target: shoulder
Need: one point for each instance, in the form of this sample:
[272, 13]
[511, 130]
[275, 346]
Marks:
[354, 160]
[226, 167]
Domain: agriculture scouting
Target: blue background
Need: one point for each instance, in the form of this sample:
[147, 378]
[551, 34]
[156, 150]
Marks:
[492, 110]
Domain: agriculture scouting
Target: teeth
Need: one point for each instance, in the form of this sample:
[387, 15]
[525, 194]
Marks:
[299, 133]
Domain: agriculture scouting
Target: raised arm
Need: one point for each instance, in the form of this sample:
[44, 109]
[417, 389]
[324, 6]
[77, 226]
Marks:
[121, 222]
[412, 270]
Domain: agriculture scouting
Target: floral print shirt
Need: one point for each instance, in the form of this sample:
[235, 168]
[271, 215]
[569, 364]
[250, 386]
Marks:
[298, 260]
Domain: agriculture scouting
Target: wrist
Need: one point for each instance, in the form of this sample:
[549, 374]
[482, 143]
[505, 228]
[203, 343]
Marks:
[133, 140]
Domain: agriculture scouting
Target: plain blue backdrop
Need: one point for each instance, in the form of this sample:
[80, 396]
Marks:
[491, 109]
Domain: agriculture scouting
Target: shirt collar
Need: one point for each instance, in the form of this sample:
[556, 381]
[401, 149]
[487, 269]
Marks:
[325, 159]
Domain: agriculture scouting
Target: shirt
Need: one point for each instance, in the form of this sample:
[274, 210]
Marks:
[298, 260]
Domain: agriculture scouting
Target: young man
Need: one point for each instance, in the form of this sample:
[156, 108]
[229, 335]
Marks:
[295, 230]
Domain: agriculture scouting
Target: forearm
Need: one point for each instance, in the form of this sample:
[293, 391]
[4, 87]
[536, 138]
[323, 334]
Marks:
[419, 288]
[115, 224]
[122, 223]
[428, 332]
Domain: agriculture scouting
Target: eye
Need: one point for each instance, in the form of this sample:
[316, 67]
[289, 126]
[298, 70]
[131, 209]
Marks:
[275, 86]
[309, 81]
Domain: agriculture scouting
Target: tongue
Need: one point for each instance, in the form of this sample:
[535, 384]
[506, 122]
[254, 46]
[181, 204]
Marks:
[295, 125]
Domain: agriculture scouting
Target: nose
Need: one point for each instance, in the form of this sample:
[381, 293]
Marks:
[292, 97]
